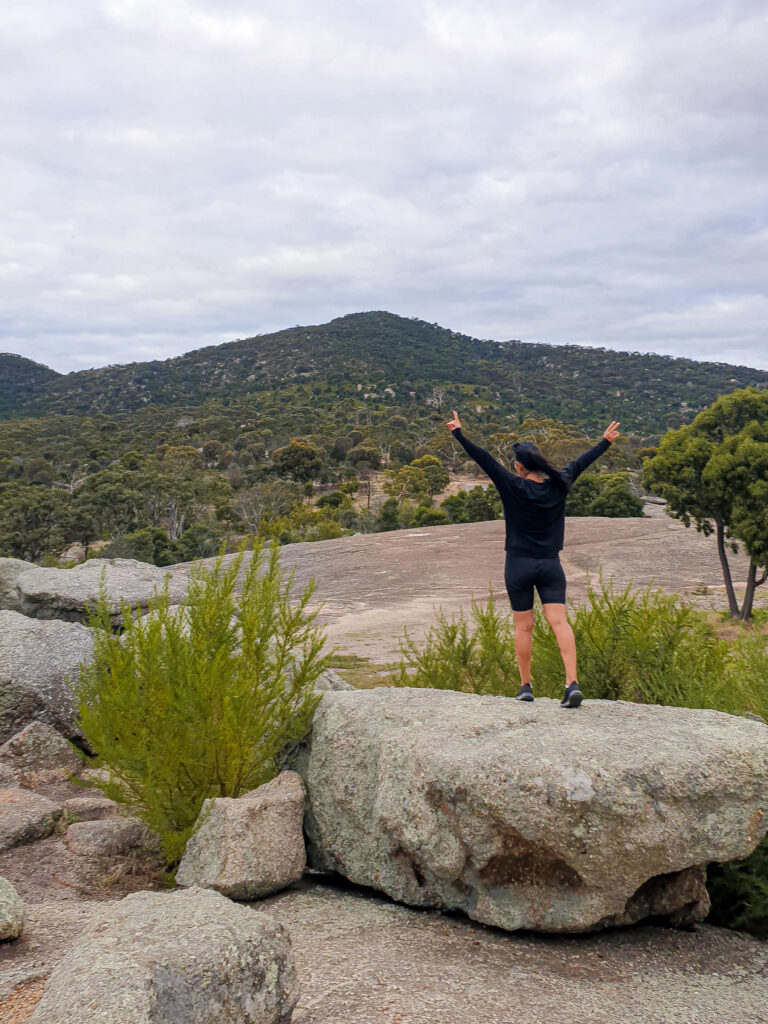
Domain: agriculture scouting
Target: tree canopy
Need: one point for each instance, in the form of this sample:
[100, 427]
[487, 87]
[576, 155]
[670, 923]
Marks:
[713, 474]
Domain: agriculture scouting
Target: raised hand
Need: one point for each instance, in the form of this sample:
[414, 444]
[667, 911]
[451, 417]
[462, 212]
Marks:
[455, 423]
[611, 431]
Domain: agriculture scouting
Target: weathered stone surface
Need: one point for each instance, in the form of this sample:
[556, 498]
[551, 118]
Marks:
[190, 957]
[109, 838]
[10, 570]
[66, 593]
[11, 911]
[527, 816]
[93, 807]
[36, 658]
[25, 816]
[331, 680]
[39, 747]
[251, 846]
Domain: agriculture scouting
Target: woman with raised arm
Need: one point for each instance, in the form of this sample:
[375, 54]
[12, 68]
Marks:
[534, 511]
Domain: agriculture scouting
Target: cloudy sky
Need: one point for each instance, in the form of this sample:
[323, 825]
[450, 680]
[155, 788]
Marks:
[184, 172]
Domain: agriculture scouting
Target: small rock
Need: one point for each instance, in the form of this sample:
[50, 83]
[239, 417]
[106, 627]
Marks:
[11, 911]
[91, 808]
[95, 775]
[190, 957]
[109, 838]
[331, 680]
[25, 816]
[249, 846]
[38, 747]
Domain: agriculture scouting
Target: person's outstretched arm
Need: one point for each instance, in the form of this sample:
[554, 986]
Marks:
[484, 459]
[574, 469]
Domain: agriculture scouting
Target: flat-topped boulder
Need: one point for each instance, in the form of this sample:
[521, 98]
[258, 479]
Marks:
[67, 593]
[36, 659]
[526, 815]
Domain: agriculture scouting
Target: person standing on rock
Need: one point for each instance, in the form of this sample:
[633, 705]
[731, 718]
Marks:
[534, 511]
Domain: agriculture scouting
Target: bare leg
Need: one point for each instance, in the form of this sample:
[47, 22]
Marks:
[524, 643]
[558, 620]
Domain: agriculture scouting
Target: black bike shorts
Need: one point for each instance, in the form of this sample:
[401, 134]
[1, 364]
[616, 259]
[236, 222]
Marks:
[521, 575]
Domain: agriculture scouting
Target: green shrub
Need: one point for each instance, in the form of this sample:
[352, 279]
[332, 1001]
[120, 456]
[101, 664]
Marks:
[644, 646]
[197, 702]
[476, 657]
[739, 892]
[424, 516]
[603, 494]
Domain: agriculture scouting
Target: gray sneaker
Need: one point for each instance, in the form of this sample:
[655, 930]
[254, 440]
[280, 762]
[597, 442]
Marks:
[525, 693]
[572, 697]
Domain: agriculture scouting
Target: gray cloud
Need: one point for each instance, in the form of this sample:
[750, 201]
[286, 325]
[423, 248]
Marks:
[179, 174]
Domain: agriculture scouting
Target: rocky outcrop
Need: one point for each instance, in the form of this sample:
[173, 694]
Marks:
[11, 912]
[10, 570]
[109, 838]
[36, 659]
[25, 816]
[67, 593]
[527, 816]
[191, 957]
[39, 748]
[250, 846]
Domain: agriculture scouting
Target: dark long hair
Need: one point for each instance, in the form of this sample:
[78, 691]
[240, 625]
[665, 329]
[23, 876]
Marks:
[530, 456]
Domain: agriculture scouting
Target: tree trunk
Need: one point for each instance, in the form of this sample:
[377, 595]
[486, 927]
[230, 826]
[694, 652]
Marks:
[733, 607]
[752, 584]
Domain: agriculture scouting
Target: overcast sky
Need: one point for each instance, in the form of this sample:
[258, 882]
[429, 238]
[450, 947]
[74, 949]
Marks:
[175, 173]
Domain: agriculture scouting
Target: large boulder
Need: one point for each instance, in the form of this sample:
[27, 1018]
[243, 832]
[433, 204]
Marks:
[190, 957]
[10, 570]
[25, 816]
[11, 911]
[36, 659]
[250, 846]
[68, 593]
[528, 816]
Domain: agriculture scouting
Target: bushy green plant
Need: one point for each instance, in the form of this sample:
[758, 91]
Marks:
[739, 892]
[196, 702]
[638, 645]
[474, 657]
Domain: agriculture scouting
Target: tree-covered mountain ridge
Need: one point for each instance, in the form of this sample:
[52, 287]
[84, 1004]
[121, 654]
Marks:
[389, 358]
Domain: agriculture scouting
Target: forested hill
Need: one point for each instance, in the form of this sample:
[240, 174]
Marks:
[23, 383]
[395, 360]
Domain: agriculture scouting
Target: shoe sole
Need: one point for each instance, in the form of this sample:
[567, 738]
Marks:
[527, 699]
[574, 700]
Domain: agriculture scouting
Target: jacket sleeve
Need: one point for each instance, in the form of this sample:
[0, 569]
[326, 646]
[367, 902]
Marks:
[486, 462]
[574, 469]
